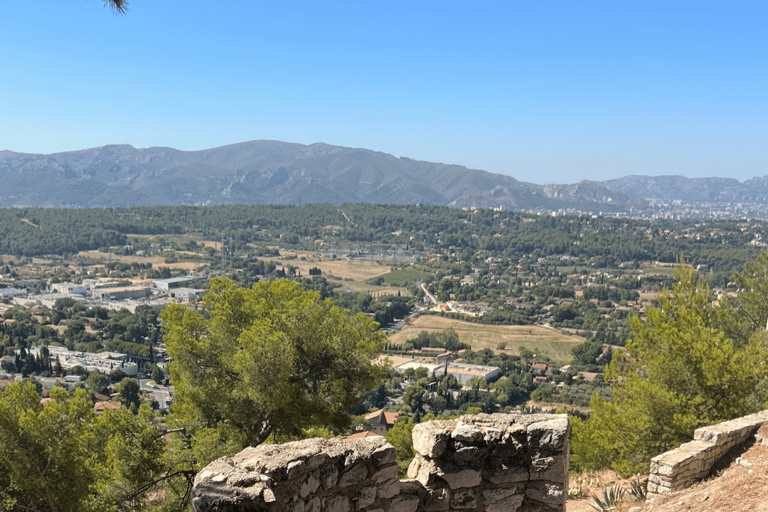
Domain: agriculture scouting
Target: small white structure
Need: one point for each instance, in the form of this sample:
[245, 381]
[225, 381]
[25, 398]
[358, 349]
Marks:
[70, 288]
[464, 372]
[173, 282]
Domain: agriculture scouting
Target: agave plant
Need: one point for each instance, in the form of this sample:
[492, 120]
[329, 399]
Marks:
[638, 489]
[611, 498]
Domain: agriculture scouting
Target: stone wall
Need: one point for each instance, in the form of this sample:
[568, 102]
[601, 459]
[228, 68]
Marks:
[498, 462]
[680, 468]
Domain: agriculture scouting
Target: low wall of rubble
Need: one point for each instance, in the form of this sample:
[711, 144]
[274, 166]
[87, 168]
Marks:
[494, 463]
[685, 465]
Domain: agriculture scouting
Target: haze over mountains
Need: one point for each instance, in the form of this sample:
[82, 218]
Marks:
[272, 172]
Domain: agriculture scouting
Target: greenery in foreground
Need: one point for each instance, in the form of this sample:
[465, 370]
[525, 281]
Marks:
[275, 362]
[688, 365]
[255, 365]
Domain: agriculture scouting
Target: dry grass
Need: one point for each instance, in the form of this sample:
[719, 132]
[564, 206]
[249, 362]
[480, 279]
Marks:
[356, 270]
[540, 340]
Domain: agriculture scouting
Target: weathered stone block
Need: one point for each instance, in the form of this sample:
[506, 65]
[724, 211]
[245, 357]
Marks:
[431, 438]
[405, 504]
[329, 475]
[389, 489]
[552, 433]
[386, 473]
[461, 479]
[354, 475]
[464, 499]
[469, 456]
[427, 471]
[510, 444]
[437, 499]
[385, 455]
[313, 505]
[366, 497]
[492, 436]
[295, 469]
[552, 495]
[296, 506]
[309, 486]
[413, 467]
[469, 433]
[337, 504]
[508, 475]
[554, 469]
[502, 500]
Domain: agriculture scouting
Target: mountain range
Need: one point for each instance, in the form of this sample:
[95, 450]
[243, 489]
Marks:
[273, 172]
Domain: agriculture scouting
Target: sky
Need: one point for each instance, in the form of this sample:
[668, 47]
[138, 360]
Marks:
[544, 91]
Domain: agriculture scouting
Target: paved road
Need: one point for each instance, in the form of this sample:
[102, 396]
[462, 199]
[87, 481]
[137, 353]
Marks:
[162, 394]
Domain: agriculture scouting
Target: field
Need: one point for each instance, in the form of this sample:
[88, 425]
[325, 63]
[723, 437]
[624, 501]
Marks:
[352, 273]
[540, 340]
[356, 270]
[405, 275]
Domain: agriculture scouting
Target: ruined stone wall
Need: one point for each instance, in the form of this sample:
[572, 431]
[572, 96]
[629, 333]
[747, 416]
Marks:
[498, 462]
[680, 468]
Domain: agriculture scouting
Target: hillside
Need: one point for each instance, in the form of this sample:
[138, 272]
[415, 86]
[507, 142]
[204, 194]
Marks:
[272, 172]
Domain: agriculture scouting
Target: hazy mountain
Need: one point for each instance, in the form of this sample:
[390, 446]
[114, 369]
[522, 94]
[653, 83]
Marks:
[274, 172]
[693, 190]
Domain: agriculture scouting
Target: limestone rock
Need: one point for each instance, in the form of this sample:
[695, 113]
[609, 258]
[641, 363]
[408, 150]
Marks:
[431, 438]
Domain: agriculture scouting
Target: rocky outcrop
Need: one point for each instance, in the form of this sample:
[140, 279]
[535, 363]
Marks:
[500, 462]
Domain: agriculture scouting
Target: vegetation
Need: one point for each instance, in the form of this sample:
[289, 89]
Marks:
[280, 349]
[61, 456]
[679, 371]
[265, 362]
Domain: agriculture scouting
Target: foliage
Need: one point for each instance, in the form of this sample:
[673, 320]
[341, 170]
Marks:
[611, 499]
[273, 358]
[60, 456]
[448, 339]
[638, 489]
[401, 437]
[117, 6]
[679, 372]
[129, 392]
[747, 313]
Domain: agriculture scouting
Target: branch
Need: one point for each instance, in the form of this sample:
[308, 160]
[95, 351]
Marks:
[117, 6]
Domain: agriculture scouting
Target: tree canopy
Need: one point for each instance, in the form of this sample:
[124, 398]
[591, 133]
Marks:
[680, 371]
[272, 359]
[60, 456]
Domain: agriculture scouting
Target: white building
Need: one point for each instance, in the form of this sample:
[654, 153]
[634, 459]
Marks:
[464, 372]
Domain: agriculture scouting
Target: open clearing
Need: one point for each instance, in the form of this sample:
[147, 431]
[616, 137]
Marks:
[540, 340]
[355, 270]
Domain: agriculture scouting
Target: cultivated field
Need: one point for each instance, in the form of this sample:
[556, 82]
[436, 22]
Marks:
[540, 340]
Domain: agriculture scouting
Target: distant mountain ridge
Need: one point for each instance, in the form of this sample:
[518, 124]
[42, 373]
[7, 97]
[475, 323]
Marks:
[273, 172]
[694, 190]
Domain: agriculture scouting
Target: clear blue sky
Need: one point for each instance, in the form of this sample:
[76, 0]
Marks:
[544, 91]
